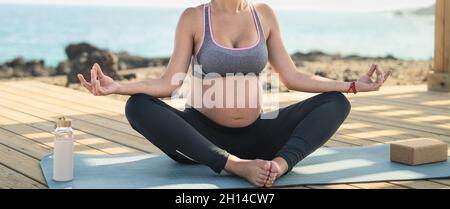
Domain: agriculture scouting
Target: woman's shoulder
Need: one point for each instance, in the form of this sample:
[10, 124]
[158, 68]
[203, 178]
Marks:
[266, 14]
[192, 12]
[264, 9]
[191, 16]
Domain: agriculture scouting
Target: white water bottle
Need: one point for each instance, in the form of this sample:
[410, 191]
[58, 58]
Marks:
[63, 151]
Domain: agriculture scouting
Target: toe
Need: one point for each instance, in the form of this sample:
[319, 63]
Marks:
[259, 183]
[263, 176]
[267, 165]
[273, 175]
[274, 168]
[264, 165]
[268, 184]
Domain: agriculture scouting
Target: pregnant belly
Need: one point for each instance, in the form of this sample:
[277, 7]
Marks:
[231, 103]
[232, 117]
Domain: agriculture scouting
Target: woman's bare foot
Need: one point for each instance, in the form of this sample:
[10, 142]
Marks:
[255, 171]
[278, 166]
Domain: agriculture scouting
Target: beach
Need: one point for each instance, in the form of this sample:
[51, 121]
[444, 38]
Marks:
[137, 45]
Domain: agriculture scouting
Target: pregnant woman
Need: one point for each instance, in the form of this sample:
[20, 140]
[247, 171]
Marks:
[233, 40]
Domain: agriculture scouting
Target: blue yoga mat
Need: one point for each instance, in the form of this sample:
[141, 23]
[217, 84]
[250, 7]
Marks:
[324, 166]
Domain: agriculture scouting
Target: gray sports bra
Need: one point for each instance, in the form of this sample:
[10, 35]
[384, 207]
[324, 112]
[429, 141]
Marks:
[214, 59]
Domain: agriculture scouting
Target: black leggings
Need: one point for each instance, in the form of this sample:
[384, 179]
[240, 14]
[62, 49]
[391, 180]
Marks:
[190, 137]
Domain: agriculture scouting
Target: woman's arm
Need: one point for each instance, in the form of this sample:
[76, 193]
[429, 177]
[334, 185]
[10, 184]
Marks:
[159, 87]
[293, 79]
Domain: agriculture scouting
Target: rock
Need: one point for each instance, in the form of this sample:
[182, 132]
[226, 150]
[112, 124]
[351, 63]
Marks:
[17, 62]
[129, 76]
[6, 71]
[321, 73]
[63, 68]
[354, 57]
[390, 57]
[127, 61]
[75, 50]
[349, 75]
[83, 64]
[36, 68]
[22, 68]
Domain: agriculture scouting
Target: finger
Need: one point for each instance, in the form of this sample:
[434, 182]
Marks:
[84, 82]
[376, 86]
[94, 81]
[371, 70]
[99, 71]
[97, 86]
[386, 76]
[380, 76]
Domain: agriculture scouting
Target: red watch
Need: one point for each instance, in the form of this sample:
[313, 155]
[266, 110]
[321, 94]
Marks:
[352, 87]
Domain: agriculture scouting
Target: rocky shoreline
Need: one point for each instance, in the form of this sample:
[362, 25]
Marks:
[125, 67]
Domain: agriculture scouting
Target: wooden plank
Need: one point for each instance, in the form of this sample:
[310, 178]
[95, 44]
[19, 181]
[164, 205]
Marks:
[410, 132]
[21, 163]
[78, 112]
[446, 55]
[37, 143]
[420, 184]
[439, 78]
[138, 143]
[108, 104]
[40, 130]
[10, 179]
[439, 82]
[442, 181]
[21, 144]
[332, 186]
[289, 187]
[406, 123]
[86, 106]
[386, 104]
[439, 36]
[409, 122]
[355, 141]
[75, 95]
[400, 124]
[377, 185]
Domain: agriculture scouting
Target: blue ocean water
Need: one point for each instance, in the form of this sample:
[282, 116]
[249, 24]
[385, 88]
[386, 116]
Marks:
[42, 31]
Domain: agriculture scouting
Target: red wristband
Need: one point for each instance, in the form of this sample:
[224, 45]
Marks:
[352, 87]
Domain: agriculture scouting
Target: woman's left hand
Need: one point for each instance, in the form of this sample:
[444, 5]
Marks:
[365, 82]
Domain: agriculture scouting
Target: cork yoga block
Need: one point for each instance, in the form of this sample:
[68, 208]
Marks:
[418, 151]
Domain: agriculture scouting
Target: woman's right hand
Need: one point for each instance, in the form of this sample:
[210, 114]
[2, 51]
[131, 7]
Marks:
[365, 82]
[100, 84]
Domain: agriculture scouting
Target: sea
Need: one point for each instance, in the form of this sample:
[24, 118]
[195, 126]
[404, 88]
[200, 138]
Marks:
[43, 31]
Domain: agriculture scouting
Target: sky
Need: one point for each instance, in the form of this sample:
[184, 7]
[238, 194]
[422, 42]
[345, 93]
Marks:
[345, 5]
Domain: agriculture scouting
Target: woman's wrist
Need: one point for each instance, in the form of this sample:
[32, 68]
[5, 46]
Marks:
[119, 89]
[350, 87]
[345, 86]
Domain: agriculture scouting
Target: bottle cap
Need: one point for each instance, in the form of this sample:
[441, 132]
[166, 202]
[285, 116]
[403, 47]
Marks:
[62, 122]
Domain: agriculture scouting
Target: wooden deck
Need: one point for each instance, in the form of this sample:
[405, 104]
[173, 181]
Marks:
[28, 109]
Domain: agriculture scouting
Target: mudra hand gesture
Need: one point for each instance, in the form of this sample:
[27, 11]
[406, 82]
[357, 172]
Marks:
[100, 84]
[365, 82]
